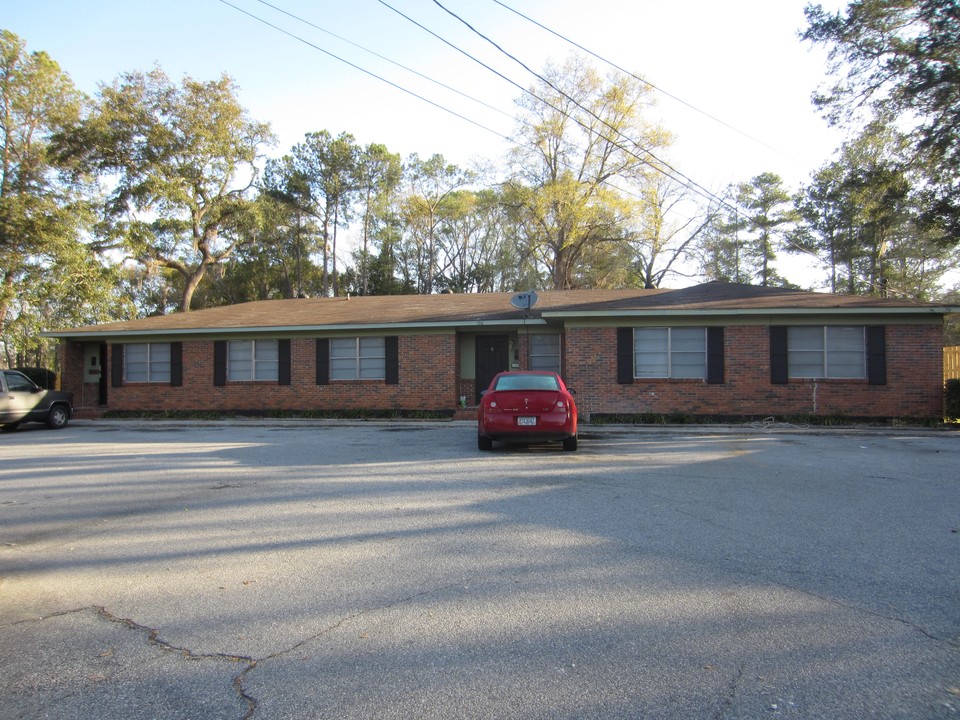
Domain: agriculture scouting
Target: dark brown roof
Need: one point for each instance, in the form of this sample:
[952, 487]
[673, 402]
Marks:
[476, 309]
[732, 297]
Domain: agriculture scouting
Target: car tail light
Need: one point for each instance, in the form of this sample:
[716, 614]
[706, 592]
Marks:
[560, 404]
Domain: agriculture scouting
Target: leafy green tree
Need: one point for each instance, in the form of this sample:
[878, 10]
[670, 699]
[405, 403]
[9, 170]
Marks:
[722, 256]
[275, 265]
[384, 272]
[180, 160]
[827, 227]
[326, 185]
[427, 200]
[578, 136]
[900, 60]
[473, 256]
[288, 223]
[48, 275]
[151, 290]
[765, 215]
[68, 288]
[378, 176]
[862, 219]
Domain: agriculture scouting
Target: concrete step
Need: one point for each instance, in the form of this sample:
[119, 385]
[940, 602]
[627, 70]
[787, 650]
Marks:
[467, 413]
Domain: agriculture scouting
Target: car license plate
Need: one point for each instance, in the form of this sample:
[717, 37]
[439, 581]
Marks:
[526, 421]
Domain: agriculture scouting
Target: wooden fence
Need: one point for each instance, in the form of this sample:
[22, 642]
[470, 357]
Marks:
[951, 363]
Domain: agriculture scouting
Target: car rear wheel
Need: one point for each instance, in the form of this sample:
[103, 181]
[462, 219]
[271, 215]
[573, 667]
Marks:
[570, 443]
[59, 416]
[484, 443]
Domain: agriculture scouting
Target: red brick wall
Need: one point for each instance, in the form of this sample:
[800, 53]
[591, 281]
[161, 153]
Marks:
[427, 382]
[71, 367]
[74, 377]
[913, 390]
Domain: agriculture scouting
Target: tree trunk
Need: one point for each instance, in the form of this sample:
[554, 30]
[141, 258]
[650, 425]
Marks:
[192, 281]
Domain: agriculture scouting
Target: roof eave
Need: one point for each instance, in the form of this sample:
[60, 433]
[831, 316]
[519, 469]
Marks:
[288, 329]
[596, 314]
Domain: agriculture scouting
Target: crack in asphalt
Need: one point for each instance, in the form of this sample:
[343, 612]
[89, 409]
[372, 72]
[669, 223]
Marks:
[252, 703]
[950, 642]
[153, 637]
[732, 688]
[671, 505]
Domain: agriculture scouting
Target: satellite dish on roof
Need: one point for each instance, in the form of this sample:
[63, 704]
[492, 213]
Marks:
[524, 300]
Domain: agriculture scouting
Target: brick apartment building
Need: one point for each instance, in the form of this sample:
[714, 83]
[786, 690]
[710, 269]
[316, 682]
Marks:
[713, 350]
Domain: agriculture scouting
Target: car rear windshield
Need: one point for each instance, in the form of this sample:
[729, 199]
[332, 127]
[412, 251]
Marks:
[527, 382]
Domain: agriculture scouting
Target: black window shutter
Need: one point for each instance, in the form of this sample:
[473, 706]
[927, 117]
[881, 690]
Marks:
[625, 356]
[876, 355]
[715, 355]
[323, 361]
[176, 364]
[220, 363]
[779, 370]
[116, 366]
[391, 350]
[283, 361]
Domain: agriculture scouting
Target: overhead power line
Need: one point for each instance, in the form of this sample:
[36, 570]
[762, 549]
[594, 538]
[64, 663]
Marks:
[363, 70]
[660, 90]
[371, 74]
[658, 167]
[384, 58]
[660, 163]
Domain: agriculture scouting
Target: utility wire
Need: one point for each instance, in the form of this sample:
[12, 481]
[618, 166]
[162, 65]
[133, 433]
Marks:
[385, 58]
[315, 47]
[364, 70]
[452, 46]
[647, 82]
[525, 91]
[689, 182]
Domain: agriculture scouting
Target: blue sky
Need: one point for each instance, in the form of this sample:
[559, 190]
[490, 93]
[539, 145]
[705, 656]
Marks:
[739, 61]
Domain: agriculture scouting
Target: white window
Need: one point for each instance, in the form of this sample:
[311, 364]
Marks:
[360, 358]
[147, 362]
[545, 352]
[253, 360]
[670, 352]
[827, 352]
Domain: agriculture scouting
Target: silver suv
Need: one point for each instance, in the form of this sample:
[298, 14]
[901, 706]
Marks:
[22, 400]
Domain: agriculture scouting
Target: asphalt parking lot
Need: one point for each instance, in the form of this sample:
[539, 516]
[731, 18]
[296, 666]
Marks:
[291, 570]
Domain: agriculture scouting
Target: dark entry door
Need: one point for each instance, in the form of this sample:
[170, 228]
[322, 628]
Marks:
[102, 389]
[493, 356]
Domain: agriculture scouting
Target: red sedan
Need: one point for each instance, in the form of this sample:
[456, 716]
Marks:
[527, 407]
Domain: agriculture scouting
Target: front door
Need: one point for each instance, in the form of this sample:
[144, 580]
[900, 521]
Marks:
[102, 386]
[493, 356]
